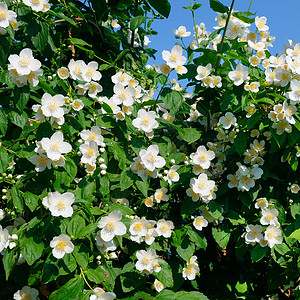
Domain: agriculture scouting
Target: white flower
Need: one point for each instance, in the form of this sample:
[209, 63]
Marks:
[110, 226]
[115, 24]
[172, 175]
[260, 23]
[24, 63]
[151, 159]
[37, 5]
[121, 78]
[63, 73]
[295, 188]
[261, 203]
[294, 94]
[164, 228]
[269, 216]
[202, 157]
[6, 15]
[147, 261]
[93, 88]
[202, 185]
[228, 120]
[190, 271]
[41, 162]
[2, 215]
[161, 195]
[145, 120]
[90, 72]
[239, 75]
[282, 126]
[138, 227]
[158, 285]
[200, 222]
[103, 245]
[55, 146]
[52, 105]
[181, 32]
[273, 236]
[4, 235]
[61, 245]
[76, 69]
[174, 58]
[253, 234]
[100, 294]
[26, 293]
[203, 72]
[60, 204]
[89, 152]
[92, 135]
[77, 105]
[123, 95]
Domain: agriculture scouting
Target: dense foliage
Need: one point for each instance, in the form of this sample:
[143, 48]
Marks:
[118, 182]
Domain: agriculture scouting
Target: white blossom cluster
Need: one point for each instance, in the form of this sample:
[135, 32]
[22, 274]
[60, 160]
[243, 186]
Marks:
[7, 17]
[24, 68]
[245, 177]
[89, 149]
[146, 230]
[272, 235]
[50, 150]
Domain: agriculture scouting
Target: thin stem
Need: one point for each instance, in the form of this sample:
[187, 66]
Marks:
[136, 4]
[82, 274]
[195, 26]
[160, 91]
[223, 37]
[250, 5]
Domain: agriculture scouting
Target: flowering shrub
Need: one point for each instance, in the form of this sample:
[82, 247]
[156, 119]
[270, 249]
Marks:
[120, 183]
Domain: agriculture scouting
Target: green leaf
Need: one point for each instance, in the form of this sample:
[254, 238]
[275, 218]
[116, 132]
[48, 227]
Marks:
[32, 249]
[127, 179]
[17, 199]
[81, 254]
[190, 296]
[136, 22]
[39, 32]
[295, 234]
[10, 259]
[192, 8]
[90, 228]
[217, 6]
[70, 291]
[162, 6]
[4, 160]
[240, 143]
[172, 100]
[195, 237]
[21, 97]
[143, 186]
[186, 249]
[214, 209]
[78, 42]
[165, 275]
[190, 135]
[221, 236]
[125, 210]
[165, 295]
[241, 287]
[76, 225]
[85, 295]
[18, 119]
[100, 8]
[70, 168]
[3, 121]
[31, 200]
[244, 16]
[131, 280]
[258, 252]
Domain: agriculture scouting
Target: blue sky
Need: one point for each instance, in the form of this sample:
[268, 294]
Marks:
[283, 20]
